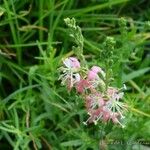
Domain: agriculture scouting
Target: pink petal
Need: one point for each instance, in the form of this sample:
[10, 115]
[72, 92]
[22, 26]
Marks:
[74, 61]
[96, 69]
[101, 102]
[81, 85]
[114, 118]
[91, 75]
[94, 114]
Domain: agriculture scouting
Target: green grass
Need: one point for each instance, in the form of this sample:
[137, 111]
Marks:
[36, 112]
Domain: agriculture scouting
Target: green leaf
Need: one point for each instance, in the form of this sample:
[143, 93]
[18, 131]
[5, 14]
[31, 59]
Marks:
[72, 143]
[135, 74]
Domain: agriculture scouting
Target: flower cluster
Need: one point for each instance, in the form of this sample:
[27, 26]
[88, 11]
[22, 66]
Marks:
[101, 103]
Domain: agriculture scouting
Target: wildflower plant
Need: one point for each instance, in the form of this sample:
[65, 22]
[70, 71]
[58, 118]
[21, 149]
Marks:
[103, 102]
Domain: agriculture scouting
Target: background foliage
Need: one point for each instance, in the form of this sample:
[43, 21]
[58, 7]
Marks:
[36, 112]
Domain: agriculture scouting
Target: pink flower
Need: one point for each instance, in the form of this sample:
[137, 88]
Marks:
[92, 75]
[70, 70]
[95, 115]
[94, 78]
[71, 62]
[106, 114]
[105, 109]
[114, 106]
[91, 82]
[82, 85]
[96, 69]
[103, 106]
[94, 104]
[94, 100]
[103, 114]
[114, 93]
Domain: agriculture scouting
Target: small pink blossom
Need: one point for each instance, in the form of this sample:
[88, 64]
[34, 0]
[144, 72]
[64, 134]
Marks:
[105, 109]
[96, 69]
[103, 114]
[95, 115]
[92, 75]
[94, 78]
[82, 85]
[94, 100]
[104, 105]
[70, 74]
[114, 93]
[106, 114]
[114, 104]
[72, 62]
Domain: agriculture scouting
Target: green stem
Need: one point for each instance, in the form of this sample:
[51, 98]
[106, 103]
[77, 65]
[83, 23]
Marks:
[15, 35]
[139, 112]
[107, 76]
[41, 20]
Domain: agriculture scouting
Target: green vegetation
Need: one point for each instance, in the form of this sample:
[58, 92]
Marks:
[36, 112]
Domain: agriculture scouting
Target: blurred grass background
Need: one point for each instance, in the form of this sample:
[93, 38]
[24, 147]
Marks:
[36, 112]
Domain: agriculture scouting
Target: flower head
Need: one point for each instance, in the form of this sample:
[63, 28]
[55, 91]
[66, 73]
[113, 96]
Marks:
[114, 106]
[97, 69]
[93, 101]
[104, 104]
[94, 78]
[82, 85]
[70, 74]
[71, 63]
[105, 107]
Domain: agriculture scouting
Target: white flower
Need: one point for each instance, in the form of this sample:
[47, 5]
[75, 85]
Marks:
[70, 70]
